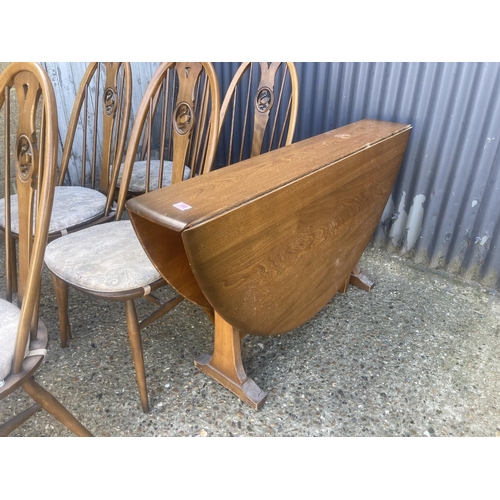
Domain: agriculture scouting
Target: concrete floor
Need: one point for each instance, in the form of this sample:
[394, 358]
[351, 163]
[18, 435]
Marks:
[419, 355]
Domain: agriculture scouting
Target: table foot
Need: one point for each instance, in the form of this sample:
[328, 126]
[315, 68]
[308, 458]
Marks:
[248, 391]
[358, 279]
[226, 367]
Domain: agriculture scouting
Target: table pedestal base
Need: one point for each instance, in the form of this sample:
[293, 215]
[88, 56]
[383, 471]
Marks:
[358, 279]
[226, 367]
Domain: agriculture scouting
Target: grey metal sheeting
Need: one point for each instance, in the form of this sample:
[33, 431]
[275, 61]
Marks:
[444, 209]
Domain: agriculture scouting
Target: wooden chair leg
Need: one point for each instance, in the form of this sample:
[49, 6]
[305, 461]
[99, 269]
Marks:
[226, 366]
[134, 334]
[61, 290]
[54, 407]
[17, 420]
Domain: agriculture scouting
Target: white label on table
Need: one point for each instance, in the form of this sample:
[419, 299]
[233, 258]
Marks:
[182, 206]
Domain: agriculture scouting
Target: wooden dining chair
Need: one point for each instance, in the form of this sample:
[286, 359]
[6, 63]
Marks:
[94, 147]
[27, 99]
[147, 175]
[259, 111]
[259, 114]
[92, 153]
[108, 261]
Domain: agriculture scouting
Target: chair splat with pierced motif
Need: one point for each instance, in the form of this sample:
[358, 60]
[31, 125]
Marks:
[182, 104]
[259, 110]
[26, 88]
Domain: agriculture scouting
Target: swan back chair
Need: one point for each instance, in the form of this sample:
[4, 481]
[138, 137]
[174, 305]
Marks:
[92, 155]
[23, 335]
[259, 111]
[266, 95]
[154, 163]
[107, 261]
[93, 148]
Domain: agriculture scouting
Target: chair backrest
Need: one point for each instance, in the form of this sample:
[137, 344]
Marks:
[259, 111]
[27, 97]
[97, 132]
[177, 122]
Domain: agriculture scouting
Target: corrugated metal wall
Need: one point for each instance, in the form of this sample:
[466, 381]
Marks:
[66, 79]
[444, 209]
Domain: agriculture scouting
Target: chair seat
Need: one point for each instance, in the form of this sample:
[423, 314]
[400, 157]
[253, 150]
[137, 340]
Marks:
[10, 315]
[103, 258]
[73, 205]
[138, 179]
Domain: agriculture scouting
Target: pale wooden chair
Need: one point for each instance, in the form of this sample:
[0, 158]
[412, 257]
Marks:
[108, 261]
[259, 111]
[92, 153]
[23, 335]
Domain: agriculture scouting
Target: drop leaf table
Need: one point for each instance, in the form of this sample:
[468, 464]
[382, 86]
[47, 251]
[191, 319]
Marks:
[264, 244]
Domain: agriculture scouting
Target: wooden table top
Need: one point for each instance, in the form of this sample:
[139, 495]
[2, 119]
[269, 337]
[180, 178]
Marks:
[267, 242]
